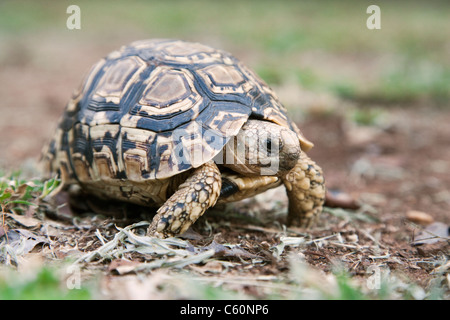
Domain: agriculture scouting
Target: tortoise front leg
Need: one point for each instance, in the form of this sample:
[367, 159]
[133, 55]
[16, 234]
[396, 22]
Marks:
[199, 192]
[306, 192]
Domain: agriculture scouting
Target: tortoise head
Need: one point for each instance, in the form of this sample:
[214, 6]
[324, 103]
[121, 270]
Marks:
[262, 148]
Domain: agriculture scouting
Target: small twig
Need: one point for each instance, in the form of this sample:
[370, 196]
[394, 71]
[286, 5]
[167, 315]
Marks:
[99, 236]
[345, 245]
[386, 256]
[315, 253]
[256, 228]
[368, 235]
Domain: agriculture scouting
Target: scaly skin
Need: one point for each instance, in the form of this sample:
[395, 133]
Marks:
[305, 187]
[193, 197]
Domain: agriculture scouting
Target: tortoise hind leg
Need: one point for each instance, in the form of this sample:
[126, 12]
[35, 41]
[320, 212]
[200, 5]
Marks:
[193, 197]
[306, 192]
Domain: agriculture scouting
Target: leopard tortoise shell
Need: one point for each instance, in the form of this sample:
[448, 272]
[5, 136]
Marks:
[181, 126]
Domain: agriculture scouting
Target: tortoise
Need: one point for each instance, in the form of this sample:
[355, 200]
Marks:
[181, 126]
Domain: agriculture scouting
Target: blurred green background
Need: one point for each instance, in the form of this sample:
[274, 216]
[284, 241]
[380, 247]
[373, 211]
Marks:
[321, 45]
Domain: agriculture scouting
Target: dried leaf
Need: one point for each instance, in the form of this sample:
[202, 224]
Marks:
[26, 221]
[22, 190]
[23, 241]
[434, 232]
[122, 266]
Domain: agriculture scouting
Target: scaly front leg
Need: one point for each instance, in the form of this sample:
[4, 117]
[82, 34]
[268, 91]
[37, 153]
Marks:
[306, 192]
[199, 192]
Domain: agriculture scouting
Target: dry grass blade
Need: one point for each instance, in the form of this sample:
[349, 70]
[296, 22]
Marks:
[297, 241]
[154, 246]
[277, 250]
[102, 252]
[126, 241]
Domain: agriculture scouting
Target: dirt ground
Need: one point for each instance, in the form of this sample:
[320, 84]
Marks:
[396, 165]
[397, 170]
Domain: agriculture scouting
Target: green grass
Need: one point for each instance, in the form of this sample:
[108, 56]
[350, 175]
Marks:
[412, 81]
[409, 81]
[45, 284]
[18, 193]
[412, 28]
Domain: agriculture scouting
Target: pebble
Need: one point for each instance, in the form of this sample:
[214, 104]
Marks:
[419, 217]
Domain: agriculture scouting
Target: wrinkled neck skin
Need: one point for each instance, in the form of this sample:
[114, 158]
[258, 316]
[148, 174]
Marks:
[262, 148]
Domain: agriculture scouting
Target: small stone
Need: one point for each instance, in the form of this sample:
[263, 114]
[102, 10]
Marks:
[352, 238]
[419, 217]
[434, 232]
